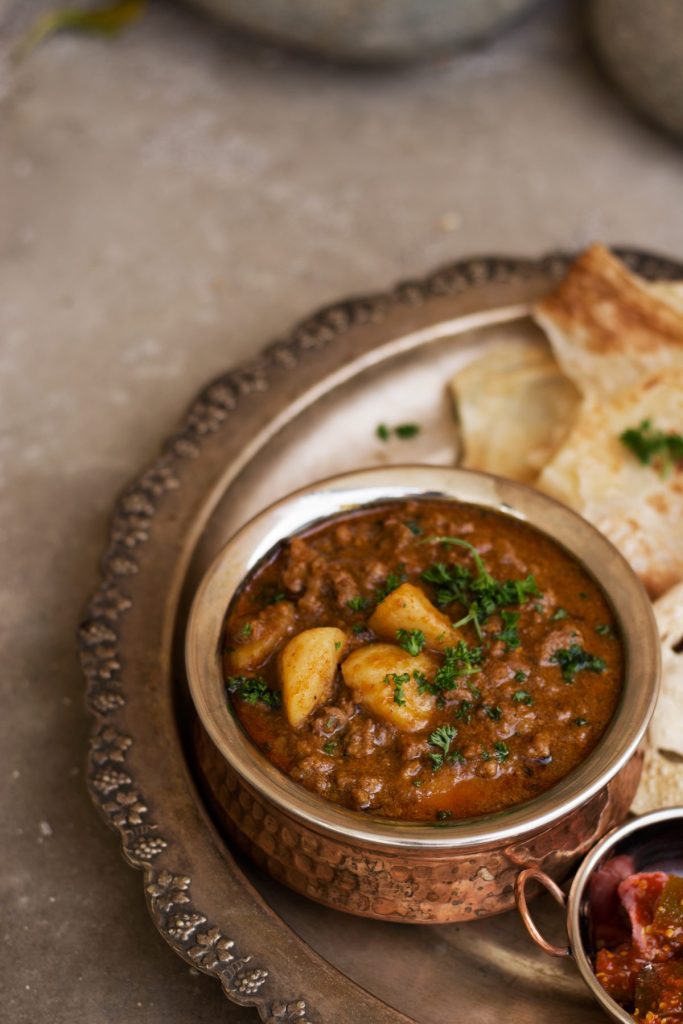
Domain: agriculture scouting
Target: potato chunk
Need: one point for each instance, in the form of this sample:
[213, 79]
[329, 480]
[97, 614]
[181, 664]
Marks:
[268, 630]
[307, 666]
[408, 607]
[378, 674]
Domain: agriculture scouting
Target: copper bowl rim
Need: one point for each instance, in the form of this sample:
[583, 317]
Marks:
[328, 497]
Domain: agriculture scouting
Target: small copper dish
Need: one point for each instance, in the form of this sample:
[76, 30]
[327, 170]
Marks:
[412, 871]
[654, 842]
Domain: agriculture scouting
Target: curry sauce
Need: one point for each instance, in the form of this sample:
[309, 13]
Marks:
[503, 673]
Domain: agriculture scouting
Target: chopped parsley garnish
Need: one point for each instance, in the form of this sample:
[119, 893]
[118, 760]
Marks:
[464, 711]
[604, 629]
[330, 748]
[358, 603]
[414, 527]
[580, 721]
[519, 676]
[411, 640]
[538, 607]
[395, 578]
[493, 712]
[443, 815]
[398, 682]
[575, 659]
[654, 447]
[417, 783]
[501, 751]
[559, 614]
[246, 630]
[358, 627]
[460, 660]
[508, 633]
[270, 595]
[522, 697]
[337, 645]
[481, 594]
[252, 689]
[404, 431]
[407, 430]
[442, 738]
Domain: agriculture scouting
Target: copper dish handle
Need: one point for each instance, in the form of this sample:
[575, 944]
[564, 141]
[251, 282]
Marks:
[520, 898]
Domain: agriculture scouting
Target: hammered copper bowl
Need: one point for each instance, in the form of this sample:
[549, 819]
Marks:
[415, 872]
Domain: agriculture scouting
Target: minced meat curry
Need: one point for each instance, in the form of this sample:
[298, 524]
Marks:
[423, 660]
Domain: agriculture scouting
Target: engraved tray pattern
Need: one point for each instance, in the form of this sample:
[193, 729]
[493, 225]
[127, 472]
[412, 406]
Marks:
[200, 899]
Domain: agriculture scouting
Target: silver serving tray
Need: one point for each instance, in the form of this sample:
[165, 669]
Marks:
[306, 408]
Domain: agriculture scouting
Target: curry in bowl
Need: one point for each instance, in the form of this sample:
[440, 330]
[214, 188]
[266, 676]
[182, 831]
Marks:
[423, 659]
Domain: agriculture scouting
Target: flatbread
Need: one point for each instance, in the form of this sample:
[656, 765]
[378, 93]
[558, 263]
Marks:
[666, 727]
[636, 507]
[661, 783]
[608, 328]
[515, 408]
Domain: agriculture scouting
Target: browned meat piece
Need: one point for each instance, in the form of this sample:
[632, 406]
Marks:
[364, 735]
[329, 721]
[314, 772]
[344, 585]
[313, 601]
[413, 747]
[539, 746]
[294, 574]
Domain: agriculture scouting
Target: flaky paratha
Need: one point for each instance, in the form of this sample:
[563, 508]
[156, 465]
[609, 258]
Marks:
[637, 506]
[515, 408]
[666, 727]
[607, 327]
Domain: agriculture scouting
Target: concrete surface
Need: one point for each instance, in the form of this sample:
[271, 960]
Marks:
[169, 201]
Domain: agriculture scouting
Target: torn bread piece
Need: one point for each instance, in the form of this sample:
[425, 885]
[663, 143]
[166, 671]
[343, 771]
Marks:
[638, 507]
[661, 784]
[608, 327]
[515, 408]
[666, 727]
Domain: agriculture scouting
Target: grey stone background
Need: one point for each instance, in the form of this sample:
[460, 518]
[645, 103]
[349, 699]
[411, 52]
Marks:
[169, 201]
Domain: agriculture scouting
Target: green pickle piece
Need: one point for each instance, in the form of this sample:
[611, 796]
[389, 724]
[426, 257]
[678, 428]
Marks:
[668, 919]
[659, 991]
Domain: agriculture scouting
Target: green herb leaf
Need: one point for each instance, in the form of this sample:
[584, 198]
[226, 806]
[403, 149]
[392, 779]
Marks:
[414, 527]
[358, 627]
[442, 738]
[522, 697]
[358, 603]
[580, 721]
[508, 633]
[107, 21]
[501, 751]
[382, 432]
[411, 640]
[246, 630]
[575, 659]
[654, 447]
[495, 713]
[398, 682]
[443, 815]
[559, 614]
[463, 711]
[393, 580]
[417, 783]
[252, 689]
[519, 676]
[329, 748]
[407, 430]
[604, 629]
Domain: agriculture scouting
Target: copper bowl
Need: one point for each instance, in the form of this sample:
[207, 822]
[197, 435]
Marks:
[414, 871]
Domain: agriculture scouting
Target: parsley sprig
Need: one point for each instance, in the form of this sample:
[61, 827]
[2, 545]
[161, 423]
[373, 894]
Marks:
[252, 689]
[411, 640]
[479, 592]
[398, 681]
[654, 447]
[442, 739]
[575, 659]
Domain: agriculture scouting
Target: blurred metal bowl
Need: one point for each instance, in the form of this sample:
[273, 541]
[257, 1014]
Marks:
[381, 31]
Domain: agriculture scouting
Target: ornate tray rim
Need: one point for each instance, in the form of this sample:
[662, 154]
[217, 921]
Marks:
[111, 778]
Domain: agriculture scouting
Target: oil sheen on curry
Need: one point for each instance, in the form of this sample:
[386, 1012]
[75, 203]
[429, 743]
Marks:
[423, 660]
